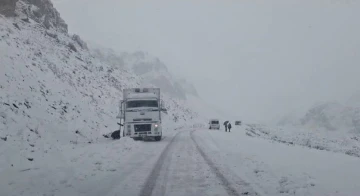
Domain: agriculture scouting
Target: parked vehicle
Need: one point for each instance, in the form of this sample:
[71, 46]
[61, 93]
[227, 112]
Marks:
[238, 122]
[140, 113]
[214, 124]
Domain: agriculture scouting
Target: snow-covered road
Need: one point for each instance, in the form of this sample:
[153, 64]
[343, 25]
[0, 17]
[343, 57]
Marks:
[184, 169]
[190, 162]
[175, 166]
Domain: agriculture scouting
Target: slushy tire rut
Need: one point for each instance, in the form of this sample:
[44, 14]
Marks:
[151, 180]
[182, 172]
[224, 182]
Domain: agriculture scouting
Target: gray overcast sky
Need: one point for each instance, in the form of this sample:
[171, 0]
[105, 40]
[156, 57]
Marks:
[256, 58]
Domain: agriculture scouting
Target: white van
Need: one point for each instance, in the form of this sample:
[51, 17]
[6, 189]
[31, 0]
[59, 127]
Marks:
[214, 124]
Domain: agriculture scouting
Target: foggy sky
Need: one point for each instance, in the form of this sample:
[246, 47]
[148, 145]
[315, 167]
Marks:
[257, 59]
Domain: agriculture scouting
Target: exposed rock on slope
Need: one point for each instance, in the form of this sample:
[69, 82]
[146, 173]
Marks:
[80, 42]
[41, 11]
[7, 7]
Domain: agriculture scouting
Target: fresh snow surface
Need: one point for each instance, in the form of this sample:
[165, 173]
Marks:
[335, 141]
[274, 168]
[188, 162]
[84, 169]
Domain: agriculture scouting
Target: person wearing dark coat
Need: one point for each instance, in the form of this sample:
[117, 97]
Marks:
[229, 126]
[225, 125]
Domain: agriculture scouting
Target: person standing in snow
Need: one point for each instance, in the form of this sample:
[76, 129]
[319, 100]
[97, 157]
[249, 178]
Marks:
[225, 125]
[229, 126]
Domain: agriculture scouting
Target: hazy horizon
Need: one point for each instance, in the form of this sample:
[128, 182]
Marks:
[257, 60]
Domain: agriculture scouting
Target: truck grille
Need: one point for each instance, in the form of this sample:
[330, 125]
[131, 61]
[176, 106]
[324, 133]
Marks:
[142, 128]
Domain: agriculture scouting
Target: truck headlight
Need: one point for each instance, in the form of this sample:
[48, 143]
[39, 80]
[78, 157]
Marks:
[156, 125]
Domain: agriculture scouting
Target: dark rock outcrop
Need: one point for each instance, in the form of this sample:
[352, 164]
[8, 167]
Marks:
[72, 47]
[79, 41]
[7, 7]
[43, 11]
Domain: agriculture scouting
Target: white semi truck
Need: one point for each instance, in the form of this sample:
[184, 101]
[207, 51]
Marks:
[140, 113]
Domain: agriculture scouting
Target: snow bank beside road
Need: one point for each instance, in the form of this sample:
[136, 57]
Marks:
[84, 169]
[275, 169]
[334, 141]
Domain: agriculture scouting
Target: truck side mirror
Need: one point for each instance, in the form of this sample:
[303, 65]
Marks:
[121, 110]
[162, 106]
[120, 124]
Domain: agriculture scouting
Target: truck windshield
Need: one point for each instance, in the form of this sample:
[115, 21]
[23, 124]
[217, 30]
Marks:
[142, 103]
[214, 122]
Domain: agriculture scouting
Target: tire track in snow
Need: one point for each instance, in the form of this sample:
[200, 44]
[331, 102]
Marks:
[110, 184]
[231, 191]
[152, 178]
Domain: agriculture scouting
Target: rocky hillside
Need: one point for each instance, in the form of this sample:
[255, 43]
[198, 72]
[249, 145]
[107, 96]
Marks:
[53, 91]
[7, 7]
[41, 11]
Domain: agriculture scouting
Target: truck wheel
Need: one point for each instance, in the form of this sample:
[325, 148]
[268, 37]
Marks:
[157, 138]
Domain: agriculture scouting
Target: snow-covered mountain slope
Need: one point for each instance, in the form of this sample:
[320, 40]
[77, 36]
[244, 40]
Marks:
[291, 118]
[329, 126]
[151, 71]
[321, 139]
[55, 93]
[330, 116]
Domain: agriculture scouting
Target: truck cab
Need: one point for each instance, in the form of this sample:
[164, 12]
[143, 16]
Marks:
[140, 111]
[214, 124]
